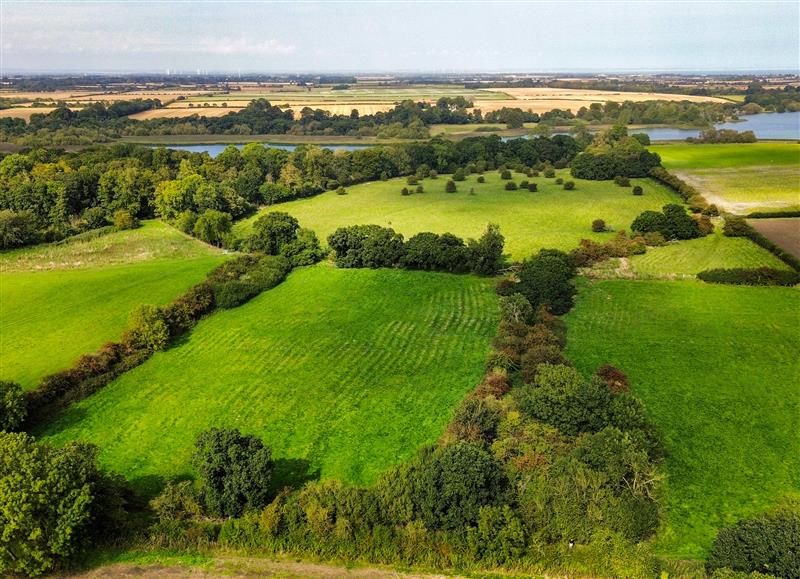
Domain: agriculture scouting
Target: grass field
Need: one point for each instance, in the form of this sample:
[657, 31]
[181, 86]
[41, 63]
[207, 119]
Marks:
[551, 217]
[740, 177]
[688, 258]
[718, 368]
[58, 302]
[350, 370]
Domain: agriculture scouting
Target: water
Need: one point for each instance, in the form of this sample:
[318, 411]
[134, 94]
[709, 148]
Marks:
[215, 150]
[765, 126]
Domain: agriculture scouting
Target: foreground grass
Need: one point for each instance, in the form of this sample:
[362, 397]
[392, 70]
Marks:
[718, 369]
[58, 302]
[745, 177]
[551, 217]
[342, 372]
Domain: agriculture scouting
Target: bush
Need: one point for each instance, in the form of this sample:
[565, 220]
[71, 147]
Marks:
[459, 175]
[637, 190]
[94, 217]
[177, 502]
[147, 329]
[124, 220]
[17, 229]
[450, 187]
[673, 223]
[213, 226]
[12, 406]
[235, 471]
[341, 191]
[546, 280]
[704, 224]
[481, 179]
[433, 174]
[569, 185]
[532, 187]
[756, 276]
[405, 192]
[430, 251]
[474, 421]
[185, 221]
[549, 173]
[366, 246]
[516, 308]
[614, 378]
[523, 184]
[766, 544]
[559, 181]
[735, 226]
[505, 174]
[622, 181]
[537, 357]
[511, 186]
[598, 225]
[411, 180]
[420, 189]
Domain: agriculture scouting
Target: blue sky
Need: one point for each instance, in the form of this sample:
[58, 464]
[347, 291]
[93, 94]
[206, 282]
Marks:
[399, 36]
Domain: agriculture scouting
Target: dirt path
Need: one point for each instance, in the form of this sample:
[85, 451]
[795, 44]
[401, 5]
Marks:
[230, 566]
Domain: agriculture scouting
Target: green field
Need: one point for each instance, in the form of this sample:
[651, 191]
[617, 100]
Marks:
[58, 302]
[350, 370]
[739, 177]
[688, 258]
[718, 369]
[551, 217]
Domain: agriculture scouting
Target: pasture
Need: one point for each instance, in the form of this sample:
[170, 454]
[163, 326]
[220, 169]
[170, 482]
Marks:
[342, 372]
[740, 178]
[717, 368]
[551, 217]
[58, 302]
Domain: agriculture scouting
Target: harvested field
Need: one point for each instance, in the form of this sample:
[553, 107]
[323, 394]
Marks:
[783, 232]
[597, 96]
[170, 113]
[23, 112]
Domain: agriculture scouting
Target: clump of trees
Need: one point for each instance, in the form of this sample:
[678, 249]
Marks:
[374, 246]
[672, 222]
[545, 280]
[614, 155]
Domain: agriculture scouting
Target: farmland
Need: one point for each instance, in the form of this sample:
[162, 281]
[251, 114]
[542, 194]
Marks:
[67, 300]
[717, 368]
[349, 370]
[740, 178]
[551, 217]
[783, 231]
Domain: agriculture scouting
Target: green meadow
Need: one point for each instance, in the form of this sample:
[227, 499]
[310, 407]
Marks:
[60, 301]
[342, 372]
[717, 368]
[551, 217]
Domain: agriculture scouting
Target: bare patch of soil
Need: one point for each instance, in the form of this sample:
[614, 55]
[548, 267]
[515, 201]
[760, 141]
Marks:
[784, 232]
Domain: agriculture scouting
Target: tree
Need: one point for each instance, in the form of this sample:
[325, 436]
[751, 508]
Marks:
[487, 253]
[546, 280]
[122, 219]
[17, 229]
[516, 308]
[12, 406]
[235, 471]
[147, 329]
[450, 186]
[213, 226]
[459, 175]
[650, 221]
[46, 498]
[598, 225]
[272, 231]
[475, 421]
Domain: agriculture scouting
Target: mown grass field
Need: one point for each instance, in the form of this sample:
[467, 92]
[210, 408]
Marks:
[551, 217]
[717, 368]
[690, 257]
[740, 177]
[350, 370]
[58, 302]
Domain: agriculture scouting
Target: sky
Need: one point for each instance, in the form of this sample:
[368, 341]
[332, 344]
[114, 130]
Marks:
[413, 36]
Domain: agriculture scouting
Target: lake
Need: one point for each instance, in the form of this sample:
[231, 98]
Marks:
[215, 150]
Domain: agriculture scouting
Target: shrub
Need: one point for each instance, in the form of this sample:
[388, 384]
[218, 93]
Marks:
[516, 308]
[147, 329]
[213, 226]
[185, 221]
[549, 173]
[532, 187]
[495, 384]
[499, 536]
[304, 250]
[474, 421]
[405, 192]
[538, 355]
[598, 225]
[615, 379]
[420, 189]
[559, 181]
[523, 184]
[17, 229]
[433, 174]
[124, 220]
[673, 223]
[235, 471]
[735, 226]
[704, 224]
[450, 187]
[459, 175]
[411, 180]
[366, 246]
[511, 186]
[341, 191]
[569, 185]
[505, 174]
[12, 406]
[486, 254]
[481, 179]
[637, 190]
[756, 276]
[177, 502]
[94, 217]
[622, 181]
[430, 251]
[546, 280]
[768, 544]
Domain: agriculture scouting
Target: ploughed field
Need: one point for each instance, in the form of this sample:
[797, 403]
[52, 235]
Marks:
[740, 177]
[342, 372]
[717, 368]
[551, 217]
[60, 301]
